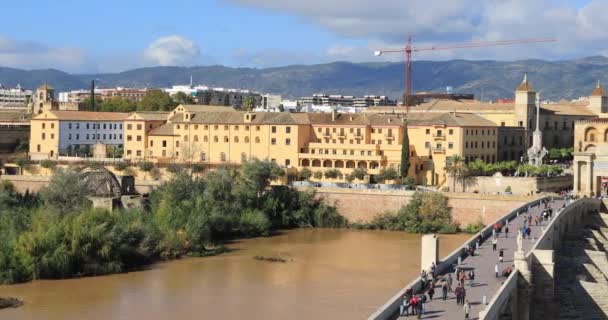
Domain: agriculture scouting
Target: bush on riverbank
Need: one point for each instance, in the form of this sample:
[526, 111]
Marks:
[425, 213]
[61, 236]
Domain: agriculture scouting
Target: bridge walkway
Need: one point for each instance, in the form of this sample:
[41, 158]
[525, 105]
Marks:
[486, 283]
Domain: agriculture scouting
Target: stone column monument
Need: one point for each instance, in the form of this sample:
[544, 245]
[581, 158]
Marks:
[537, 152]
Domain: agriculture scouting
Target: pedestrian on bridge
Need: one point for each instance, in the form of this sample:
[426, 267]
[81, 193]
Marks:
[458, 292]
[467, 309]
[496, 270]
[450, 281]
[471, 277]
[501, 254]
[444, 290]
[506, 231]
[494, 243]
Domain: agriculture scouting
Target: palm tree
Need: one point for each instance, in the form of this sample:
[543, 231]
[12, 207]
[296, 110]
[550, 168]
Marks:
[456, 168]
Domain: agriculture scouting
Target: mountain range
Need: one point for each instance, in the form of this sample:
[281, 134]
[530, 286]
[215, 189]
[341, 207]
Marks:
[488, 80]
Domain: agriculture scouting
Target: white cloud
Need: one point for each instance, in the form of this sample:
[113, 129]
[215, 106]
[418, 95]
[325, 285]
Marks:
[582, 30]
[19, 54]
[172, 51]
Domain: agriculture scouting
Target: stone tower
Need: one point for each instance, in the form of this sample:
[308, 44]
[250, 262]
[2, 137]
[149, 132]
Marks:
[525, 101]
[43, 100]
[598, 102]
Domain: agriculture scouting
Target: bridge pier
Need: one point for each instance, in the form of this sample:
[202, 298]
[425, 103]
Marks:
[429, 251]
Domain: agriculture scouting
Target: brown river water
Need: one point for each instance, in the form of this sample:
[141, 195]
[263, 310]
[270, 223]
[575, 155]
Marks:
[330, 274]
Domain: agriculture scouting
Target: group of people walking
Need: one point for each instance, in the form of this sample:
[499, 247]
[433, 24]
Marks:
[415, 303]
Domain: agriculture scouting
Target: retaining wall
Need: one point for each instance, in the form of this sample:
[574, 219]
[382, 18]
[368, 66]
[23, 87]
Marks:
[362, 205]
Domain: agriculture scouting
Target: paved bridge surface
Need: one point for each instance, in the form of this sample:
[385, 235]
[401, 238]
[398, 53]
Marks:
[486, 283]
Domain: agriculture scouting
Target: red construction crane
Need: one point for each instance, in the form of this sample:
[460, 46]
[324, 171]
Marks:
[409, 48]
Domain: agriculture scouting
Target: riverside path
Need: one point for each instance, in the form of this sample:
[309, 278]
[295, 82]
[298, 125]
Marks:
[485, 284]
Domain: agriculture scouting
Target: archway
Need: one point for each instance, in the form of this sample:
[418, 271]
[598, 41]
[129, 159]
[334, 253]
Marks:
[327, 164]
[339, 164]
[362, 165]
[316, 163]
[305, 163]
[350, 164]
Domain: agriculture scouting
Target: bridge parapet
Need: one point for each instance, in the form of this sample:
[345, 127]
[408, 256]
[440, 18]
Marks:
[518, 295]
[390, 309]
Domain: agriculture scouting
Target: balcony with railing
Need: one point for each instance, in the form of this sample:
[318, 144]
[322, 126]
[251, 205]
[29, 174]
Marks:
[439, 150]
[389, 137]
[439, 136]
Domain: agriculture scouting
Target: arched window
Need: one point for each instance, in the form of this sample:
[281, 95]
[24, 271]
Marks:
[215, 139]
[195, 138]
[257, 139]
[246, 139]
[223, 157]
[205, 139]
[590, 134]
[236, 139]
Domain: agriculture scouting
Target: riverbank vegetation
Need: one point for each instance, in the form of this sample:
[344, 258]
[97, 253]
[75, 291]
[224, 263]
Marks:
[427, 212]
[56, 234]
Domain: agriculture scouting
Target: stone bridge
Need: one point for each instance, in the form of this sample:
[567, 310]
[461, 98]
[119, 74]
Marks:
[532, 291]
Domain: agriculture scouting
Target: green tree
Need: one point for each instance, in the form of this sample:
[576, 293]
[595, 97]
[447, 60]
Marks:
[48, 164]
[146, 166]
[120, 166]
[249, 103]
[359, 173]
[389, 173]
[86, 105]
[332, 174]
[23, 146]
[304, 174]
[197, 168]
[405, 153]
[456, 168]
[182, 98]
[156, 100]
[66, 192]
[117, 104]
[317, 175]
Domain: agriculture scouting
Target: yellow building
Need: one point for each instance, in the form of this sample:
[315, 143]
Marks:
[218, 136]
[590, 163]
[557, 119]
[318, 141]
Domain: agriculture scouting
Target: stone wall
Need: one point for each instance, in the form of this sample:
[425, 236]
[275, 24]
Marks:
[519, 185]
[35, 183]
[364, 205]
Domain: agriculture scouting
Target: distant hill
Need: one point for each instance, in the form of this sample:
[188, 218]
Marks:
[486, 79]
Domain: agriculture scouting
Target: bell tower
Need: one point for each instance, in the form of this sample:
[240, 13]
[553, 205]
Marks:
[598, 102]
[44, 99]
[525, 102]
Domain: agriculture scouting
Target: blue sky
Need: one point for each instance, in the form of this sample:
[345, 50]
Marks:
[112, 35]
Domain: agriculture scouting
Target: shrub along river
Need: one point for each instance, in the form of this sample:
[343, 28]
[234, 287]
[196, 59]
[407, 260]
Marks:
[328, 274]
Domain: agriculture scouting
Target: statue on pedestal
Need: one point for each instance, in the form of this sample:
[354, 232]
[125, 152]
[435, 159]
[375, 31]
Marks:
[520, 242]
[537, 152]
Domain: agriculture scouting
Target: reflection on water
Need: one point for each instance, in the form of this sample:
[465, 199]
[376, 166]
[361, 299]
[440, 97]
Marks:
[330, 274]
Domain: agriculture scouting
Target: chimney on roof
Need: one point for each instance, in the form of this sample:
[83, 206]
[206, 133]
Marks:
[333, 114]
[390, 120]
